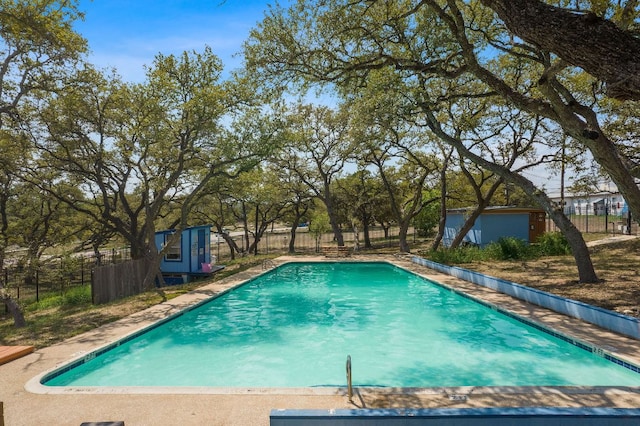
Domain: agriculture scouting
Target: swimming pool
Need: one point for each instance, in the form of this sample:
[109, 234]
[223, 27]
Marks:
[295, 325]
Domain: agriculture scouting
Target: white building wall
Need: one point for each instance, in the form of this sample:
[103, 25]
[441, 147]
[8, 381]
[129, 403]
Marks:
[593, 204]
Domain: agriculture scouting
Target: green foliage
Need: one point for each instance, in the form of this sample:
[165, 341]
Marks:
[427, 220]
[458, 255]
[69, 265]
[509, 248]
[73, 297]
[77, 296]
[319, 224]
[552, 244]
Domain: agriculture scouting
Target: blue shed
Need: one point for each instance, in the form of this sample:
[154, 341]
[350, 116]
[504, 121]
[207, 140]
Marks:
[496, 222]
[188, 257]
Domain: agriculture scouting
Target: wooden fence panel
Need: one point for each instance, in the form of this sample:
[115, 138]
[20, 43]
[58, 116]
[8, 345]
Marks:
[113, 282]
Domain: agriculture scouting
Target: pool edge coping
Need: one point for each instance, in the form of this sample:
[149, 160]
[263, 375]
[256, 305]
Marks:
[207, 293]
[609, 320]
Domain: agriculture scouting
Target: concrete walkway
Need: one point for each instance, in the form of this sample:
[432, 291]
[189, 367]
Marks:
[611, 240]
[28, 403]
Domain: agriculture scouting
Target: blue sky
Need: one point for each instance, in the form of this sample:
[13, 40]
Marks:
[128, 34]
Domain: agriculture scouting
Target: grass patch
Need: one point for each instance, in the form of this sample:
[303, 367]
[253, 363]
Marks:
[74, 296]
[56, 318]
[505, 249]
[458, 255]
[552, 244]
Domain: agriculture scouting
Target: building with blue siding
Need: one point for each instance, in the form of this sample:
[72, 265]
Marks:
[188, 257]
[494, 223]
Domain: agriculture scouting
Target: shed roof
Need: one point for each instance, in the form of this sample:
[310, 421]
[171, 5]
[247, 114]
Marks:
[499, 210]
[171, 231]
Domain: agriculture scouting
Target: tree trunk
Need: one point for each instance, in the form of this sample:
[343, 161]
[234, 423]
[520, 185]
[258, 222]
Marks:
[402, 237]
[153, 269]
[578, 121]
[598, 46]
[443, 202]
[4, 227]
[483, 202]
[586, 272]
[441, 227]
[385, 229]
[367, 237]
[292, 238]
[258, 233]
[356, 236]
[233, 247]
[579, 249]
[13, 306]
[335, 227]
[604, 151]
[466, 227]
[139, 249]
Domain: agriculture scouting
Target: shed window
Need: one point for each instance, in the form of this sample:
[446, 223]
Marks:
[174, 252]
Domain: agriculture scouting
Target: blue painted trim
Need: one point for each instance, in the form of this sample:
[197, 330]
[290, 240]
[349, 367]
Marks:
[458, 412]
[613, 321]
[505, 416]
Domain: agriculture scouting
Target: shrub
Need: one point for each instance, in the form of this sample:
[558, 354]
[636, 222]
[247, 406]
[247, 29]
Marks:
[426, 222]
[448, 256]
[506, 248]
[76, 296]
[73, 296]
[509, 248]
[552, 244]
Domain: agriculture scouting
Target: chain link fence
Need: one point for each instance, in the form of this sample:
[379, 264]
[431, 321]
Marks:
[605, 224]
[277, 241]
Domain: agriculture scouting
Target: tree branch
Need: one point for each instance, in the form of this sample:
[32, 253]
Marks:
[597, 45]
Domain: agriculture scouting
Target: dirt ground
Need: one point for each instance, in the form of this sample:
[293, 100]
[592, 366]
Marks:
[616, 263]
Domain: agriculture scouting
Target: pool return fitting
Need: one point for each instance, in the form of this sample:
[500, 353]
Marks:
[349, 387]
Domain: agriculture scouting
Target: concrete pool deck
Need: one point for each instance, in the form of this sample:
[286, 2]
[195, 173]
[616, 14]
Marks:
[27, 403]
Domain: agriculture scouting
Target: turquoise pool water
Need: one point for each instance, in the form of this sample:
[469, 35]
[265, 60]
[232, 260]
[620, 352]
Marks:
[295, 326]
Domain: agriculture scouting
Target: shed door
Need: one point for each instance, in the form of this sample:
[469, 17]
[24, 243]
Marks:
[537, 226]
[201, 247]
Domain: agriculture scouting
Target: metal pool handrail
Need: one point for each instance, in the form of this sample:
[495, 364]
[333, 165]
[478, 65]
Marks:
[349, 387]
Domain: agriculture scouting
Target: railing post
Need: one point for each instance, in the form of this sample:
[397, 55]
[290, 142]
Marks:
[349, 387]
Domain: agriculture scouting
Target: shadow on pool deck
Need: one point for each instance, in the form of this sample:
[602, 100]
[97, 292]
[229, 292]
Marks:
[230, 406]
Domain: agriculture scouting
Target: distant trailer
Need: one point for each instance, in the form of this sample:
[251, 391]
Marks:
[187, 258]
[524, 223]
